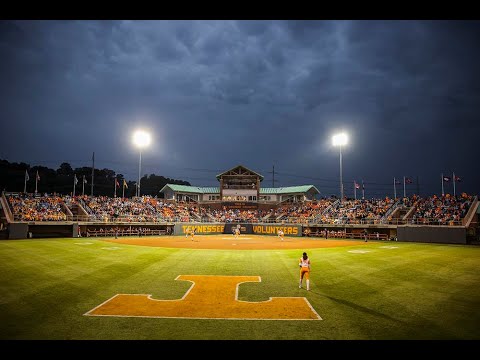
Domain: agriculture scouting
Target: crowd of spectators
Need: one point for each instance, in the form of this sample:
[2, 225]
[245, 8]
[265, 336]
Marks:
[236, 215]
[357, 211]
[27, 207]
[443, 210]
[302, 212]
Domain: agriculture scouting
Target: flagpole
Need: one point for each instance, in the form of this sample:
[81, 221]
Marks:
[394, 189]
[115, 186]
[83, 185]
[123, 189]
[363, 190]
[404, 192]
[355, 189]
[36, 182]
[443, 192]
[25, 186]
[74, 178]
[454, 184]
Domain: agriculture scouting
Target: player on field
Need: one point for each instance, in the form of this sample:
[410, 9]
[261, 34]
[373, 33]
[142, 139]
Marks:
[304, 264]
[190, 232]
[280, 234]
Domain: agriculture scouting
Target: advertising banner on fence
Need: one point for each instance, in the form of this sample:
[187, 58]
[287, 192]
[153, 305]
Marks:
[182, 229]
[288, 230]
[227, 228]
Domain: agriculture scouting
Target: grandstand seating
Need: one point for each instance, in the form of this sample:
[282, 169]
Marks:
[37, 208]
[446, 210]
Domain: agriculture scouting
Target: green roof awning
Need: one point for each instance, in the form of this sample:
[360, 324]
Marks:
[289, 190]
[263, 191]
[192, 189]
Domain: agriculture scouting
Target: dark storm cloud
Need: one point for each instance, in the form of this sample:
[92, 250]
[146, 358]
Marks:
[219, 93]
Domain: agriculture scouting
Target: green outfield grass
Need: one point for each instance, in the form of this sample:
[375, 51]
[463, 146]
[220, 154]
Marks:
[415, 291]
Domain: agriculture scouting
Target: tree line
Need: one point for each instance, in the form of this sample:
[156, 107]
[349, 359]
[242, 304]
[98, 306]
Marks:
[60, 181]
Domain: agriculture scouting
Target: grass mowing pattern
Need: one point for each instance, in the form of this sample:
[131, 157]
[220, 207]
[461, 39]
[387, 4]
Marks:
[416, 291]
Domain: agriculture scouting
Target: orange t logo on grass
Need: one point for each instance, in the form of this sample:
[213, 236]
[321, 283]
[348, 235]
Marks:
[209, 297]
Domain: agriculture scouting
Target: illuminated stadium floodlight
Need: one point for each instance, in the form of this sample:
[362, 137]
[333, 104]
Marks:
[141, 139]
[340, 140]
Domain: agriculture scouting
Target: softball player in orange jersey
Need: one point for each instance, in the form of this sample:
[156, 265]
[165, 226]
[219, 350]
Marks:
[304, 264]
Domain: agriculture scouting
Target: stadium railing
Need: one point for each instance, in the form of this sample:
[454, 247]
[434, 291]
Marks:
[391, 209]
[286, 221]
[125, 232]
[7, 208]
[471, 212]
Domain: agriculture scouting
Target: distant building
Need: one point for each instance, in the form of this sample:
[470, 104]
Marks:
[239, 184]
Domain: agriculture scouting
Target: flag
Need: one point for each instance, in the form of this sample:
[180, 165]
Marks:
[26, 175]
[116, 183]
[457, 179]
[75, 178]
[397, 182]
[408, 181]
[357, 186]
[125, 183]
[38, 176]
[446, 178]
[84, 179]
[363, 185]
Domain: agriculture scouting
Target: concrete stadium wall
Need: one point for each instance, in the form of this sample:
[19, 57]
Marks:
[23, 230]
[430, 234]
[51, 231]
[426, 234]
[18, 231]
[75, 230]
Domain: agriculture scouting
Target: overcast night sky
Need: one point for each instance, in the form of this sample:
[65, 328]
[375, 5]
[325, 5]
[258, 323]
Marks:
[216, 94]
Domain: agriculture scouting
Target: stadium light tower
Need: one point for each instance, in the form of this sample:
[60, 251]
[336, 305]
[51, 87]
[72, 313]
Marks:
[340, 140]
[141, 139]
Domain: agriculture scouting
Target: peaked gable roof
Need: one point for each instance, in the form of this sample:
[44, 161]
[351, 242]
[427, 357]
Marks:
[240, 170]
